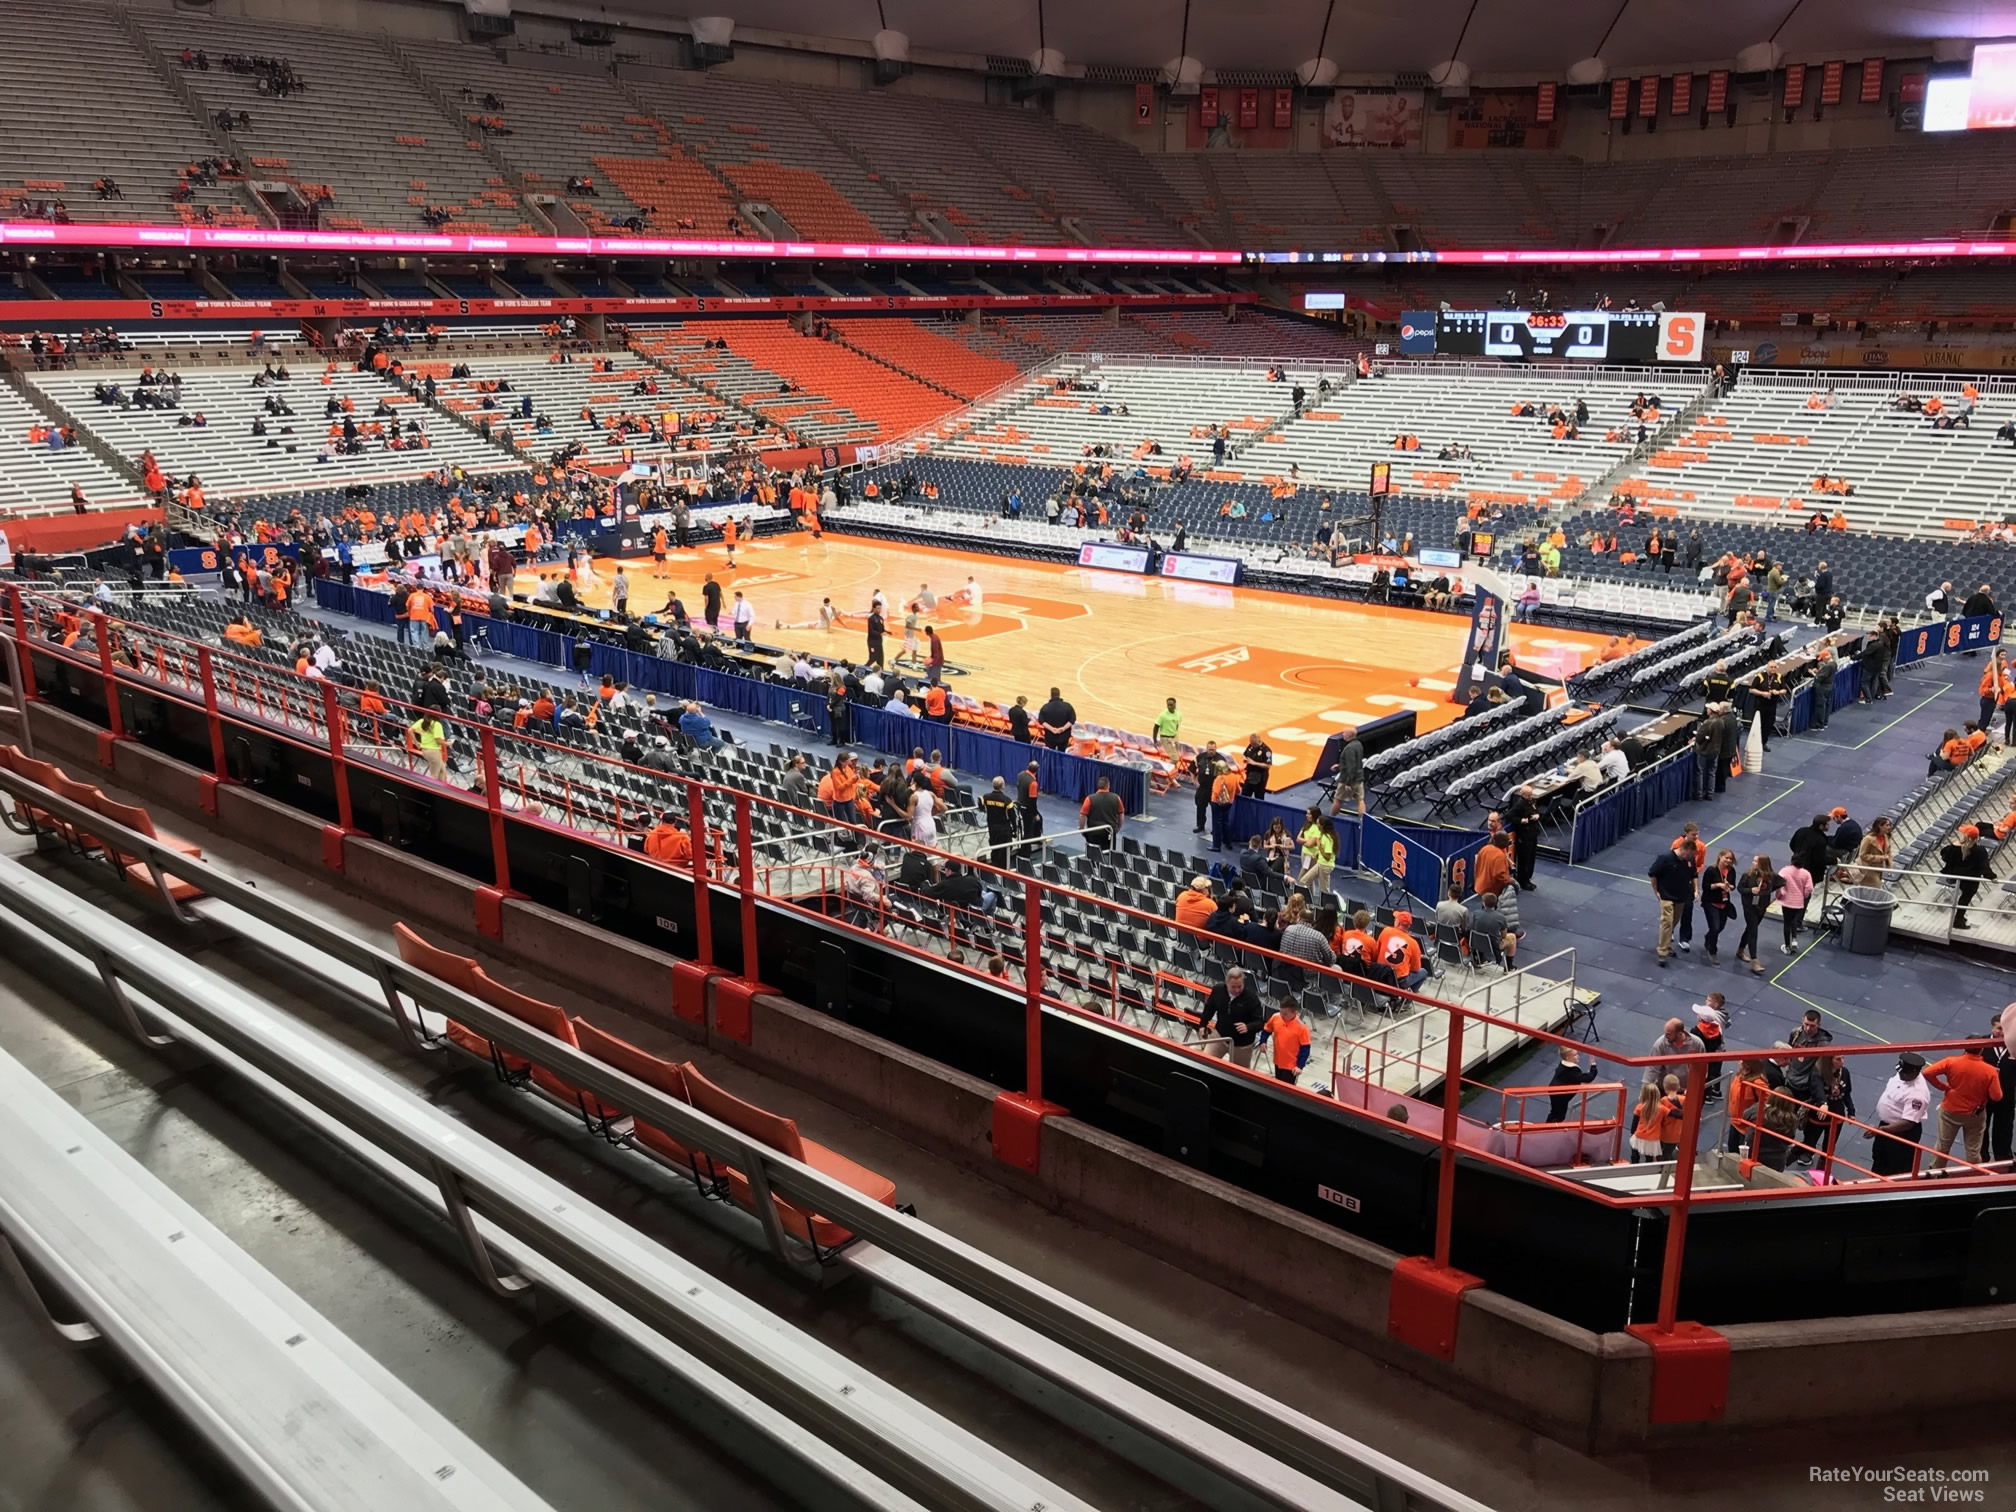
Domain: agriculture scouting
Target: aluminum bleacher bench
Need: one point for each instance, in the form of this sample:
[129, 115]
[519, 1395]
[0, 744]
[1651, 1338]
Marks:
[305, 1416]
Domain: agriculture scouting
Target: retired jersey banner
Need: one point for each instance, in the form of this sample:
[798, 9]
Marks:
[1284, 108]
[1207, 106]
[1249, 109]
[1144, 104]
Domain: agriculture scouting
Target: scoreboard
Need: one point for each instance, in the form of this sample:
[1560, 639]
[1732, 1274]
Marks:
[1627, 336]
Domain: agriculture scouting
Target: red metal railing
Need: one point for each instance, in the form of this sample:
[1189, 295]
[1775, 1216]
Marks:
[311, 714]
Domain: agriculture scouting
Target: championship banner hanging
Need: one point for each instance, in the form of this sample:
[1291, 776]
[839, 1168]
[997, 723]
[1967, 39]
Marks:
[1718, 90]
[1648, 95]
[1284, 109]
[1683, 94]
[1830, 82]
[1543, 105]
[1872, 81]
[1249, 109]
[1207, 106]
[1620, 99]
[1795, 85]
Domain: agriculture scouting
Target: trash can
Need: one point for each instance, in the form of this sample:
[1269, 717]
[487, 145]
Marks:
[1865, 919]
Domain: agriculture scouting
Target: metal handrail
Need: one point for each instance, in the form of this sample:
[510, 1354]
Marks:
[1345, 1464]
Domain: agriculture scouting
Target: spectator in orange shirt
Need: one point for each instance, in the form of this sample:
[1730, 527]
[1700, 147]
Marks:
[667, 842]
[1195, 904]
[1494, 865]
[1969, 1084]
[1399, 949]
[1291, 1041]
[1952, 754]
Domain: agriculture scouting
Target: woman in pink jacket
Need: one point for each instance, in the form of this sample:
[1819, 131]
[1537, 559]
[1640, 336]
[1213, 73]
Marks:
[1795, 886]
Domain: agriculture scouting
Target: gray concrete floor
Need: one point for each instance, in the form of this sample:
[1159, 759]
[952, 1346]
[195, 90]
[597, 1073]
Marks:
[587, 1428]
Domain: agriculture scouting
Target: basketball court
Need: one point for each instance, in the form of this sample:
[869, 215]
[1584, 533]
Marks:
[1238, 660]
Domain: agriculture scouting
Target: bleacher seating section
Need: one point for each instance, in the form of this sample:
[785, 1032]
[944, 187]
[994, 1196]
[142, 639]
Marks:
[1760, 449]
[561, 391]
[231, 460]
[762, 357]
[843, 165]
[35, 480]
[52, 149]
[361, 126]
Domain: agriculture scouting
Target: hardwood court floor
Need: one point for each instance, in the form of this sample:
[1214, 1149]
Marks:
[1236, 659]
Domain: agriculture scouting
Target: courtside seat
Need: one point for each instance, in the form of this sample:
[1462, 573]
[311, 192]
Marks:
[781, 1134]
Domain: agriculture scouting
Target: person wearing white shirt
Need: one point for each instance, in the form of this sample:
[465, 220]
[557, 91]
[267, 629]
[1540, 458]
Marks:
[924, 815]
[973, 599]
[801, 670]
[872, 685]
[325, 656]
[1900, 1111]
[1587, 772]
[1613, 763]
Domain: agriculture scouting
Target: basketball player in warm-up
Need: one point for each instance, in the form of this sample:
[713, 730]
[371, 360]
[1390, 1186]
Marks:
[828, 618]
[969, 596]
[911, 643]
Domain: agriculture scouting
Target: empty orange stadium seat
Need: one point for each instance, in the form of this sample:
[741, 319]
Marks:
[458, 971]
[781, 1134]
[647, 1068]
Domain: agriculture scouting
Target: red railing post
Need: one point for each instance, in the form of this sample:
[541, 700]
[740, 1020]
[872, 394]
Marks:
[339, 767]
[1683, 1198]
[493, 800]
[210, 715]
[696, 830]
[1032, 989]
[1452, 1113]
[101, 627]
[745, 880]
[21, 643]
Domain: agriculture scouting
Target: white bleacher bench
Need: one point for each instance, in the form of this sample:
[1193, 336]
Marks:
[287, 1400]
[231, 461]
